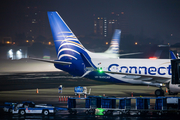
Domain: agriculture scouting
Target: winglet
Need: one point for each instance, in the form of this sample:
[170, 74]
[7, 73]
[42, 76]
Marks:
[173, 56]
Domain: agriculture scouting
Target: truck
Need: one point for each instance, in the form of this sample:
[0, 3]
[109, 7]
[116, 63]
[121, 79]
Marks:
[29, 107]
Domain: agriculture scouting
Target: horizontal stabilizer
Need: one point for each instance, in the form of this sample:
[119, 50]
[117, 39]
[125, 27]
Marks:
[52, 61]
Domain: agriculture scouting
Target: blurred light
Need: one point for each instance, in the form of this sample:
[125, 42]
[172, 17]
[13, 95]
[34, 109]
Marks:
[13, 43]
[32, 40]
[153, 58]
[8, 42]
[27, 40]
[106, 43]
[136, 43]
[49, 43]
[171, 34]
[122, 12]
[10, 53]
[19, 54]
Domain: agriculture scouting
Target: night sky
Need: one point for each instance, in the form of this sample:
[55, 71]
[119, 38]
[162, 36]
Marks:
[152, 17]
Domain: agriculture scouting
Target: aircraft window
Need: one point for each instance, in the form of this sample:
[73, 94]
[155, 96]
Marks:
[31, 105]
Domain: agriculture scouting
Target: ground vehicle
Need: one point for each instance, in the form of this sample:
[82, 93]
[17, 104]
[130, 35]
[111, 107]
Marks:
[81, 90]
[29, 107]
[9, 106]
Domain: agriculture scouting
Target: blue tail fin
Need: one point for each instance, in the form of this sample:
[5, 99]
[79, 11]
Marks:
[66, 43]
[173, 56]
[114, 45]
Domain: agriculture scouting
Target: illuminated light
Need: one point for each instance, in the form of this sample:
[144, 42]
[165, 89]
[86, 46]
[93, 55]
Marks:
[100, 70]
[19, 54]
[149, 43]
[13, 43]
[27, 41]
[152, 58]
[32, 40]
[10, 54]
[168, 43]
[106, 43]
[122, 12]
[98, 18]
[8, 42]
[136, 43]
[49, 43]
[112, 13]
[171, 34]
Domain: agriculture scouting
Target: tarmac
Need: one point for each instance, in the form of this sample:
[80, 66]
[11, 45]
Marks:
[22, 84]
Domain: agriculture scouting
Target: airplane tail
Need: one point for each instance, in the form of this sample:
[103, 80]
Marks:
[114, 45]
[66, 43]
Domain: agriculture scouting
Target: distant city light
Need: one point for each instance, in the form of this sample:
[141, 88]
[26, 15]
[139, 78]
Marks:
[32, 40]
[106, 43]
[13, 43]
[122, 12]
[8, 42]
[49, 43]
[171, 34]
[27, 41]
[136, 43]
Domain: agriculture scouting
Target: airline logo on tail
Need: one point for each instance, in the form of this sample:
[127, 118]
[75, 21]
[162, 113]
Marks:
[114, 45]
[66, 43]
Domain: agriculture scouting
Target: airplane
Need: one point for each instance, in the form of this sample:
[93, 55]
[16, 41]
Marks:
[74, 58]
[113, 50]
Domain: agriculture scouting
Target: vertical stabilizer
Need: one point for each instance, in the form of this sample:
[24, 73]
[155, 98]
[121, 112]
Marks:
[114, 45]
[66, 43]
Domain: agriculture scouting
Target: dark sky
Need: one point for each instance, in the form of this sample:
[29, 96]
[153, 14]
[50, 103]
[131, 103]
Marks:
[153, 17]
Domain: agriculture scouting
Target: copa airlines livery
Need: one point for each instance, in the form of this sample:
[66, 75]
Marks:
[73, 58]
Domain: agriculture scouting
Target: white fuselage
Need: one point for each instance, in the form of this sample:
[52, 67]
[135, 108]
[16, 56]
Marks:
[147, 67]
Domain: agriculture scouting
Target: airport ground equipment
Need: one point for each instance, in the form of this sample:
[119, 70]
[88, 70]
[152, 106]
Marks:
[175, 65]
[8, 106]
[81, 90]
[29, 107]
[108, 105]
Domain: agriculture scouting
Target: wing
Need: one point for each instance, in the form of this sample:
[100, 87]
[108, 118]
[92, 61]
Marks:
[148, 78]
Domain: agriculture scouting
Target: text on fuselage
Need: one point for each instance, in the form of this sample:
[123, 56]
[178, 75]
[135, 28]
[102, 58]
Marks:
[141, 69]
